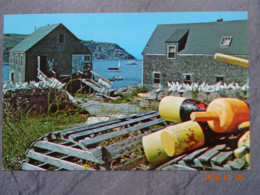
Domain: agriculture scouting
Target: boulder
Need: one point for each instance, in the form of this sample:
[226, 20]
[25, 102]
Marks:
[144, 104]
[151, 95]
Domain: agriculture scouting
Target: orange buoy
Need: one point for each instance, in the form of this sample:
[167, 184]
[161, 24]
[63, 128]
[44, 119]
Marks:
[178, 109]
[224, 114]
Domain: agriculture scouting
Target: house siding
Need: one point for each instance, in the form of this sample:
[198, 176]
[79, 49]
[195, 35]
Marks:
[17, 66]
[202, 67]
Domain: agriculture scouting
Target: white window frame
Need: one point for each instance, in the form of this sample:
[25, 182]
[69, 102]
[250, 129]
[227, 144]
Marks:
[187, 74]
[160, 78]
[168, 51]
[219, 75]
[226, 41]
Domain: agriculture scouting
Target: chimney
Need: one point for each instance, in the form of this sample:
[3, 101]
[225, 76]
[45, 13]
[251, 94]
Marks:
[220, 20]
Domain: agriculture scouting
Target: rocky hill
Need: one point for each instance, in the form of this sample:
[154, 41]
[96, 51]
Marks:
[100, 50]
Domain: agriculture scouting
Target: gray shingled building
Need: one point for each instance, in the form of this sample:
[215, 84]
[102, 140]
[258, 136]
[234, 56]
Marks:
[184, 53]
[51, 48]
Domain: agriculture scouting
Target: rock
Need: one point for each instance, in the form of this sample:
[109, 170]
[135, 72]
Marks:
[202, 96]
[151, 95]
[188, 94]
[144, 103]
[92, 120]
[161, 95]
[175, 93]
[213, 96]
[107, 109]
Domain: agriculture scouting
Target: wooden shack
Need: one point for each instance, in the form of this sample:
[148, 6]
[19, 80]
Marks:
[52, 49]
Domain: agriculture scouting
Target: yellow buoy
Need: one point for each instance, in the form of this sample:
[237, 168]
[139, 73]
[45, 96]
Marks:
[178, 109]
[187, 136]
[243, 145]
[224, 114]
[231, 59]
[158, 147]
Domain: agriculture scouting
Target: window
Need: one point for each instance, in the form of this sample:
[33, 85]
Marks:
[219, 78]
[171, 51]
[12, 77]
[187, 78]
[16, 59]
[156, 78]
[61, 38]
[21, 59]
[86, 58]
[226, 41]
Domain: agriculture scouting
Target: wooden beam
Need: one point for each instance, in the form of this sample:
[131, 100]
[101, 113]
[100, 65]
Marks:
[54, 161]
[67, 150]
[107, 136]
[105, 128]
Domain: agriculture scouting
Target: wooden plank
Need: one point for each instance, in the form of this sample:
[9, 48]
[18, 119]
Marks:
[27, 166]
[67, 150]
[66, 132]
[178, 167]
[132, 164]
[219, 168]
[194, 154]
[197, 163]
[173, 161]
[210, 153]
[237, 164]
[124, 147]
[53, 161]
[107, 136]
[221, 157]
[109, 127]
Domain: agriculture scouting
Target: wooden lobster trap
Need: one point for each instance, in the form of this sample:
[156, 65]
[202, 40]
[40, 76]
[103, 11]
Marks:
[117, 145]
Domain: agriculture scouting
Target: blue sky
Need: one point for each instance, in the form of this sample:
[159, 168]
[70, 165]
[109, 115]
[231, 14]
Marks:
[130, 31]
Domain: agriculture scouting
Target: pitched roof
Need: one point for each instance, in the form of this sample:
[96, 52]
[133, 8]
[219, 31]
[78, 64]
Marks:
[203, 38]
[34, 38]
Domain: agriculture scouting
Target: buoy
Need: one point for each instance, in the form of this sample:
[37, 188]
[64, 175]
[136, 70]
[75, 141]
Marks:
[187, 136]
[178, 109]
[158, 147]
[224, 114]
[231, 59]
[244, 126]
[243, 146]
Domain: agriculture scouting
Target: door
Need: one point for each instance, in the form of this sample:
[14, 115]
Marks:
[43, 64]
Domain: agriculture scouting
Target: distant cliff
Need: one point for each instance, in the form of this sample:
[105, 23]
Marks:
[107, 51]
[100, 50]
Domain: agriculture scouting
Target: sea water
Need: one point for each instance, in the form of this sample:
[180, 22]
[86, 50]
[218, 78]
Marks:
[132, 74]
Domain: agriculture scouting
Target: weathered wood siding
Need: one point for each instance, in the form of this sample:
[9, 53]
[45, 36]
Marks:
[57, 53]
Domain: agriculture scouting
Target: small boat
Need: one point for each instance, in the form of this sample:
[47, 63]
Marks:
[131, 63]
[115, 69]
[114, 78]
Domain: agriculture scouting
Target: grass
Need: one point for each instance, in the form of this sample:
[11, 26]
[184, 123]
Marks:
[23, 125]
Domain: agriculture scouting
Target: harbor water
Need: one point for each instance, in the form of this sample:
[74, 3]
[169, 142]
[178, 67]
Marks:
[132, 74]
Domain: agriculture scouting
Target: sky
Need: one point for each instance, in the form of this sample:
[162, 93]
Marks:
[130, 31]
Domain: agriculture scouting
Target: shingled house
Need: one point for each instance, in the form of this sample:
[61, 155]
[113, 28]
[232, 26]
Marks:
[184, 53]
[54, 50]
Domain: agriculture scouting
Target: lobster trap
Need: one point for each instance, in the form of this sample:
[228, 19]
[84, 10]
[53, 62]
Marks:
[117, 145]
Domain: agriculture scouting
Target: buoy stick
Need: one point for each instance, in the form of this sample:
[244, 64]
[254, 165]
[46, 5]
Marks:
[244, 126]
[204, 116]
[231, 59]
